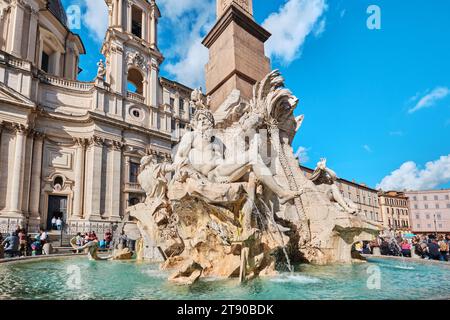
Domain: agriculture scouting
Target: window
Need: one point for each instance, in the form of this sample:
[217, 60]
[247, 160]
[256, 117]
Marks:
[387, 210]
[437, 205]
[172, 102]
[438, 216]
[134, 172]
[425, 198]
[417, 216]
[418, 225]
[136, 23]
[181, 106]
[447, 197]
[416, 206]
[448, 205]
[426, 206]
[45, 62]
[415, 198]
[429, 225]
[440, 225]
[436, 198]
[428, 216]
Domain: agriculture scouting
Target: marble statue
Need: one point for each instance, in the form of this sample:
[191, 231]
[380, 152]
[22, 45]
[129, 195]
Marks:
[225, 208]
[325, 178]
[101, 70]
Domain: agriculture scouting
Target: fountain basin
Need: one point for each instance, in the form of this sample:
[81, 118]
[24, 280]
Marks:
[56, 279]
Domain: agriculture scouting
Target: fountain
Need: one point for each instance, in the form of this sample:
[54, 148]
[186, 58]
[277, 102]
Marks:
[206, 219]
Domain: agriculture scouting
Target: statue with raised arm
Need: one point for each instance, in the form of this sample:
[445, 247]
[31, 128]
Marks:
[325, 179]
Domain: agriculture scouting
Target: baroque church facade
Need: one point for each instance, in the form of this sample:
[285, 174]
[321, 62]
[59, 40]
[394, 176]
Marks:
[70, 148]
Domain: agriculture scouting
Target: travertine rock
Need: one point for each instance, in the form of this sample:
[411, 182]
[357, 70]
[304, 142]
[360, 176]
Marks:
[232, 211]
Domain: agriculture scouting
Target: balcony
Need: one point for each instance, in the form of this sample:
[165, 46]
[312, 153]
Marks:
[135, 97]
[133, 187]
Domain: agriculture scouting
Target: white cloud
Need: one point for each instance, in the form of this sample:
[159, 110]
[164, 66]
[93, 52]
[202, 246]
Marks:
[367, 148]
[302, 155]
[342, 14]
[186, 55]
[410, 177]
[96, 18]
[429, 99]
[290, 26]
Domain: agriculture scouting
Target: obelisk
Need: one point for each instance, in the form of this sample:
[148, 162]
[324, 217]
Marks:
[237, 58]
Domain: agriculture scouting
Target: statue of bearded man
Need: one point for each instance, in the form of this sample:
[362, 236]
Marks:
[202, 152]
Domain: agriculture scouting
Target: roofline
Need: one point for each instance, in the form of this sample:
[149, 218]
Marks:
[176, 83]
[67, 29]
[344, 180]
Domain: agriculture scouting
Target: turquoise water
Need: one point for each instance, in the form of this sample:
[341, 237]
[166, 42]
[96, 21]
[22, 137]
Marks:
[51, 279]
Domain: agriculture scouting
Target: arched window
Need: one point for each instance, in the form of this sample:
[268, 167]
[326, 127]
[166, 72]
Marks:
[135, 81]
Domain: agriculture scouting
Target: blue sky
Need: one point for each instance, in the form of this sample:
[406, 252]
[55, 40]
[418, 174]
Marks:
[376, 102]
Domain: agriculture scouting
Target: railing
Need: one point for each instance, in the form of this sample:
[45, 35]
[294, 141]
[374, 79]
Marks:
[72, 228]
[8, 225]
[65, 83]
[135, 97]
[15, 62]
[133, 187]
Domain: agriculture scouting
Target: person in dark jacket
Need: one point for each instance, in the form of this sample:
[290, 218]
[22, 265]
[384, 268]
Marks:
[433, 250]
[12, 245]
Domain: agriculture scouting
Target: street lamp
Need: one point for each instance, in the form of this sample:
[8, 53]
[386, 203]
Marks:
[435, 226]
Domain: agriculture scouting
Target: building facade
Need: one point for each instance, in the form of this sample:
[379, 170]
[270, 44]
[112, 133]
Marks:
[366, 198]
[429, 211]
[70, 148]
[395, 210]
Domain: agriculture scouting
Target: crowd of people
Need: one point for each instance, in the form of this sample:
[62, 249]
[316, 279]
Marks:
[20, 244]
[430, 247]
[105, 243]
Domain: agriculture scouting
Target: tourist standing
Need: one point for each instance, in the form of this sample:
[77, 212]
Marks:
[23, 242]
[433, 250]
[59, 224]
[108, 238]
[406, 248]
[12, 245]
[54, 223]
[443, 248]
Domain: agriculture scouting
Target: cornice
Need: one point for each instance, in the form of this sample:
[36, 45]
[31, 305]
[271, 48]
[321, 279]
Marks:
[236, 15]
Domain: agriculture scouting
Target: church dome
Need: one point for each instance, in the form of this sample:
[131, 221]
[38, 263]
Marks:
[57, 9]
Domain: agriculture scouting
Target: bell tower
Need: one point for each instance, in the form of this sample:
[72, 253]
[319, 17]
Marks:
[131, 50]
[237, 58]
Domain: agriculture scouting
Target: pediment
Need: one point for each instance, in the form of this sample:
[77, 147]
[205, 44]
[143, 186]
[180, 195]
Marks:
[8, 95]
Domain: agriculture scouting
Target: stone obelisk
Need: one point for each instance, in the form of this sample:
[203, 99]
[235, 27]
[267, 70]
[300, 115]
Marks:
[236, 52]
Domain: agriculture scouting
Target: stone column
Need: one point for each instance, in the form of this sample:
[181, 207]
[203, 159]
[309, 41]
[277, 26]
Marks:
[129, 15]
[57, 63]
[110, 15]
[36, 172]
[153, 30]
[17, 30]
[93, 179]
[17, 174]
[32, 37]
[144, 26]
[115, 180]
[120, 14]
[79, 178]
[154, 70]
